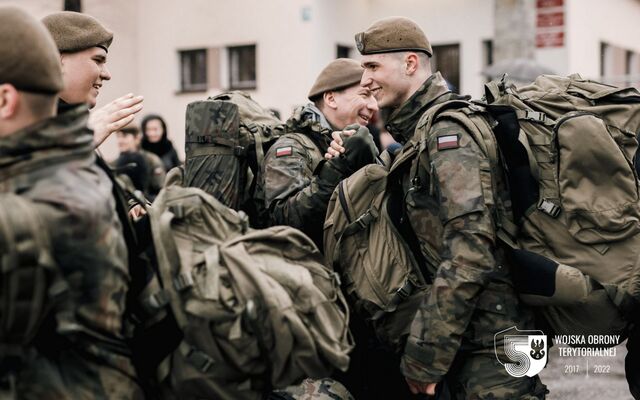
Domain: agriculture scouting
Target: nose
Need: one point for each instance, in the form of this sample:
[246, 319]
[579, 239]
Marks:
[105, 74]
[372, 104]
[366, 80]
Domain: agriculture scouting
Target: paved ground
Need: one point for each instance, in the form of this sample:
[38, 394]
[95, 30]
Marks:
[567, 377]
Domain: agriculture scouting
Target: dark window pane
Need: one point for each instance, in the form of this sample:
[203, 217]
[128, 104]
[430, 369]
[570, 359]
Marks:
[446, 59]
[343, 51]
[242, 67]
[193, 70]
[73, 5]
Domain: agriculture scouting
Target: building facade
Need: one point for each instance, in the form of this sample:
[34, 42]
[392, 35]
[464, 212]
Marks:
[174, 52]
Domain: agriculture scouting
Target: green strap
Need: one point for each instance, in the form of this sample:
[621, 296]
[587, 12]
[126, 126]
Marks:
[399, 296]
[257, 137]
[533, 164]
[211, 150]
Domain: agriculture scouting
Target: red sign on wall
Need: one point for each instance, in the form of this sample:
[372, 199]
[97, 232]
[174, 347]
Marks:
[550, 19]
[549, 3]
[550, 39]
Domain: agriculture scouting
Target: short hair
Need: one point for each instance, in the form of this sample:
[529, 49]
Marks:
[424, 58]
[40, 105]
[130, 130]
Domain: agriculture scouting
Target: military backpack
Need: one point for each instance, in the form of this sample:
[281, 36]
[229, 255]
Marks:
[380, 273]
[567, 148]
[257, 308]
[226, 138]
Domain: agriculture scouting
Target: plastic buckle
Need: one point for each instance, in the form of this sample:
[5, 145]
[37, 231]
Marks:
[199, 359]
[182, 282]
[535, 115]
[549, 208]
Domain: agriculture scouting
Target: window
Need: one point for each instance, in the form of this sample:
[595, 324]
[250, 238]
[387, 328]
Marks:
[343, 51]
[446, 59]
[193, 70]
[242, 67]
[487, 52]
[73, 5]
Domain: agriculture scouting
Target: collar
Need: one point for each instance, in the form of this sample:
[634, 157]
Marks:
[404, 119]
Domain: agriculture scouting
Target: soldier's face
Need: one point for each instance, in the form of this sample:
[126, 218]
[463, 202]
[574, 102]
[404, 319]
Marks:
[384, 75]
[84, 73]
[354, 105]
[126, 142]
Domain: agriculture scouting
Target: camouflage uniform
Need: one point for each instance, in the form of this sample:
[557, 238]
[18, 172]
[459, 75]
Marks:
[319, 389]
[81, 351]
[296, 194]
[472, 298]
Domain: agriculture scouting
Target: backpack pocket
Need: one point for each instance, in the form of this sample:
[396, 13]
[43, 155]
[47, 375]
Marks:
[596, 179]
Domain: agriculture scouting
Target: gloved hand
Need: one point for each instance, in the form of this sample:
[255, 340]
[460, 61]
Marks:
[360, 150]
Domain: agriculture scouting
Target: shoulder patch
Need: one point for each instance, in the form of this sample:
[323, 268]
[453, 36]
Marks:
[448, 142]
[284, 151]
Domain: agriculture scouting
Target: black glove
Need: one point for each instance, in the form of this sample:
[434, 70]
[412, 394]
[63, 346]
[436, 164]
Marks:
[360, 150]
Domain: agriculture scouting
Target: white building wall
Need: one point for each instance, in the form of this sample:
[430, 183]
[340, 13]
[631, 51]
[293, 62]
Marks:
[296, 38]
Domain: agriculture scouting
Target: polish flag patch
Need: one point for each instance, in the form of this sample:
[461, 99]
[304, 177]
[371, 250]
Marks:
[284, 151]
[448, 142]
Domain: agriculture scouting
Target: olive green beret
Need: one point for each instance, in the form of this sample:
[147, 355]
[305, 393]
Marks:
[339, 74]
[29, 59]
[393, 34]
[74, 31]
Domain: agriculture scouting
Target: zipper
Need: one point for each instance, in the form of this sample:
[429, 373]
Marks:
[343, 201]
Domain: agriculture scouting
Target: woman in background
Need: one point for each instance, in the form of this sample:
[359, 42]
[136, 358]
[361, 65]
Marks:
[154, 139]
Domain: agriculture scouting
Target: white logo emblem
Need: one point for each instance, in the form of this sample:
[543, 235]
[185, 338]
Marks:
[526, 349]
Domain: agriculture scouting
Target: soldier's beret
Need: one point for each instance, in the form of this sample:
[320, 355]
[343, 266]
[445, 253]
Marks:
[29, 59]
[339, 74]
[393, 34]
[74, 31]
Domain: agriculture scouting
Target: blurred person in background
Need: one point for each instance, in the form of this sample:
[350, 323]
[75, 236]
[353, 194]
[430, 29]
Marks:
[155, 140]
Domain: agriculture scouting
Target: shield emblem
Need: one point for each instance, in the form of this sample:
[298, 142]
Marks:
[526, 351]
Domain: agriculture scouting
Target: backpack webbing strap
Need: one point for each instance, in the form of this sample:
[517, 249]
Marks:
[399, 296]
[257, 137]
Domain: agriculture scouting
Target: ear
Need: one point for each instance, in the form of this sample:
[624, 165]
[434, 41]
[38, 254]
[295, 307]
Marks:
[330, 99]
[9, 101]
[411, 62]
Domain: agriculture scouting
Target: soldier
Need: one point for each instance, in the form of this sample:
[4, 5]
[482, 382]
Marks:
[297, 182]
[83, 43]
[80, 349]
[451, 345]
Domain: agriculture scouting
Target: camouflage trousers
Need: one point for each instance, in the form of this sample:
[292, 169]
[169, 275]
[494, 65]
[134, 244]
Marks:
[482, 377]
[71, 376]
[313, 389]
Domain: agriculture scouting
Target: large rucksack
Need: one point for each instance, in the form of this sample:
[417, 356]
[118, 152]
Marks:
[257, 308]
[380, 274]
[30, 282]
[567, 146]
[225, 141]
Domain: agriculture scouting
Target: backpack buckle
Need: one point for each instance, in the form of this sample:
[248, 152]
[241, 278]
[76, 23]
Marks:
[535, 115]
[238, 151]
[197, 358]
[182, 282]
[549, 208]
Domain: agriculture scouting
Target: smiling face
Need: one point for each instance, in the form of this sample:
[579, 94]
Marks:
[84, 72]
[384, 75]
[353, 105]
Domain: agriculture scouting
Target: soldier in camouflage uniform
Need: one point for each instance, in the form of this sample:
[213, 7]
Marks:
[297, 182]
[80, 349]
[451, 345]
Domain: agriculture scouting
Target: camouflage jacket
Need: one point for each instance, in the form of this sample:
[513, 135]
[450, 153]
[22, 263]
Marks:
[295, 194]
[53, 164]
[471, 298]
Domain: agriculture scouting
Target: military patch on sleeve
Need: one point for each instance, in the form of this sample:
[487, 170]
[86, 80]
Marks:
[448, 142]
[284, 151]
